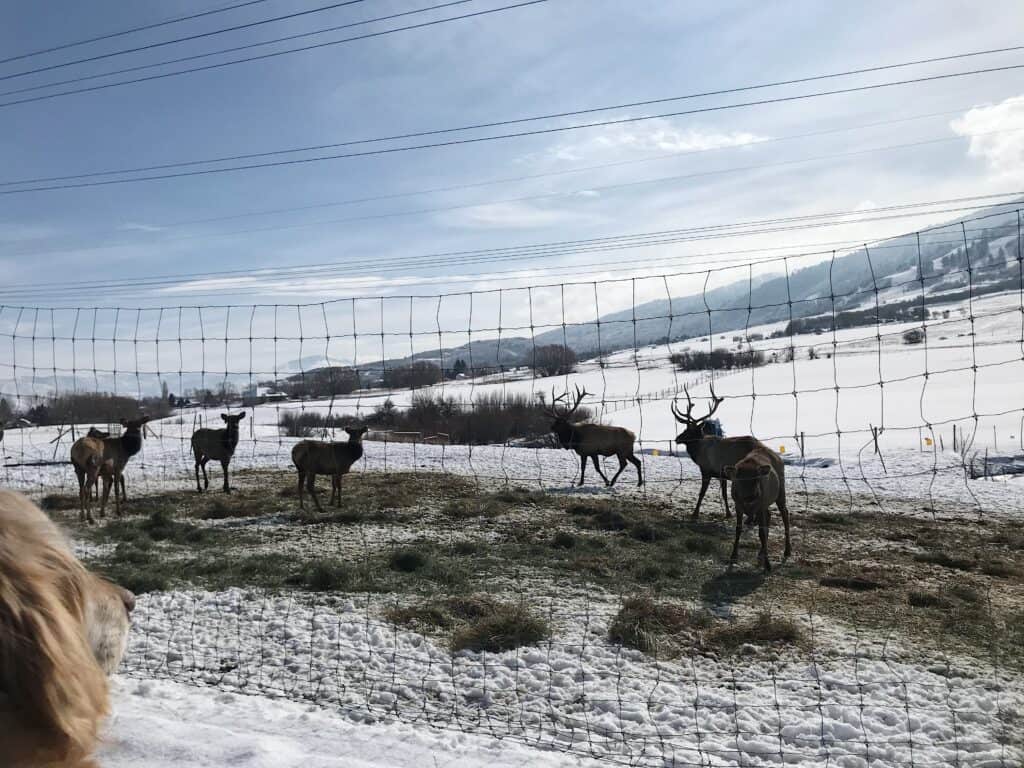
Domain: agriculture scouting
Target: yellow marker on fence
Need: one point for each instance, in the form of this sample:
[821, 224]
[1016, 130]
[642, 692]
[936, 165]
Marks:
[928, 441]
[782, 449]
[655, 452]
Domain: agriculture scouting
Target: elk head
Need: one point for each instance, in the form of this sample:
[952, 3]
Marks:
[746, 478]
[694, 429]
[561, 425]
[355, 434]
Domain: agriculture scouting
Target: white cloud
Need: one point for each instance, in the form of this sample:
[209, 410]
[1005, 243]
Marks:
[133, 226]
[1004, 152]
[510, 216]
[646, 137]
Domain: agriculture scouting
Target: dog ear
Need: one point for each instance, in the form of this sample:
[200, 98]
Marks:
[46, 664]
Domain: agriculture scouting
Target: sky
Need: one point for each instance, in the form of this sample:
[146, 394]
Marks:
[929, 141]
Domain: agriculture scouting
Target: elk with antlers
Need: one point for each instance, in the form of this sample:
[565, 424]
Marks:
[710, 451]
[592, 440]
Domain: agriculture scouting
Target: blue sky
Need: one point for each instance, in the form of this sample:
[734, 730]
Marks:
[556, 56]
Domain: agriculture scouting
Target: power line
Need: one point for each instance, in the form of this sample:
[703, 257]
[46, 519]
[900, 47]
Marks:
[496, 137]
[274, 54]
[233, 49]
[520, 120]
[528, 177]
[540, 250]
[124, 32]
[527, 198]
[175, 41]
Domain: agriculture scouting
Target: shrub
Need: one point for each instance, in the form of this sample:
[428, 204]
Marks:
[408, 559]
[914, 336]
[306, 423]
[921, 599]
[503, 628]
[717, 360]
[563, 540]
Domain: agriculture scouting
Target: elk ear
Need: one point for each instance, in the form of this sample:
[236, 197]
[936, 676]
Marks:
[224, 416]
[729, 471]
[241, 415]
[762, 471]
[124, 423]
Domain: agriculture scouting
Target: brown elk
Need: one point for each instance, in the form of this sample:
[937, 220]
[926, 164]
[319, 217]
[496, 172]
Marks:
[758, 481]
[216, 444]
[708, 449]
[95, 457]
[313, 457]
[592, 440]
[99, 433]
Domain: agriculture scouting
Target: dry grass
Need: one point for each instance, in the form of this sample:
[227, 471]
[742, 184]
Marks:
[651, 626]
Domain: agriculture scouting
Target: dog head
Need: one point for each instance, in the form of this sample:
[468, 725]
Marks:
[62, 630]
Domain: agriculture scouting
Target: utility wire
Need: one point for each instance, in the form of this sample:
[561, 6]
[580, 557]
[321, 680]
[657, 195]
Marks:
[275, 54]
[233, 49]
[175, 41]
[123, 32]
[526, 177]
[520, 120]
[539, 250]
[520, 199]
[517, 134]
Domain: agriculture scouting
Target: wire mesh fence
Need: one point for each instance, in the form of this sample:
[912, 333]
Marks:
[464, 581]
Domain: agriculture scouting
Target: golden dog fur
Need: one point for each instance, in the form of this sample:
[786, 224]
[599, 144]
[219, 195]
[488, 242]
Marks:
[62, 631]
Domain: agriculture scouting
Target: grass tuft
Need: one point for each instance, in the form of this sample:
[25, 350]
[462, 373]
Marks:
[854, 583]
[922, 599]
[326, 576]
[945, 560]
[765, 630]
[563, 540]
[641, 623]
[408, 559]
[505, 628]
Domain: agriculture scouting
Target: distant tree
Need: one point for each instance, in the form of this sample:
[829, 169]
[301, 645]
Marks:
[812, 354]
[554, 360]
[6, 412]
[419, 374]
[164, 391]
[459, 367]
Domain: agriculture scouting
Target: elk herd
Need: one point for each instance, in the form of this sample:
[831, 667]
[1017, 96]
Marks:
[755, 472]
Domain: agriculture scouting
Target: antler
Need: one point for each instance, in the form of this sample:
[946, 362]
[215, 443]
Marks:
[570, 410]
[686, 418]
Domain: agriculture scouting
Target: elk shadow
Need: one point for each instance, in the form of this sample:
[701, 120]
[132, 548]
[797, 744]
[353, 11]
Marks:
[730, 585]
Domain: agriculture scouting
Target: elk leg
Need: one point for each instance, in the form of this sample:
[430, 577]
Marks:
[336, 487]
[106, 495]
[206, 477]
[725, 496]
[311, 487]
[705, 481]
[583, 468]
[736, 542]
[124, 493]
[114, 481]
[597, 465]
[199, 487]
[784, 511]
[302, 478]
[622, 466]
[224, 469]
[80, 474]
[762, 532]
[639, 469]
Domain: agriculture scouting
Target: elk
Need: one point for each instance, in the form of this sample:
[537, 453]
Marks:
[100, 434]
[758, 481]
[313, 457]
[708, 450]
[592, 440]
[94, 457]
[216, 444]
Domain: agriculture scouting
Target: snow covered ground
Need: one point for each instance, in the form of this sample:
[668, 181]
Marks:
[856, 700]
[162, 724]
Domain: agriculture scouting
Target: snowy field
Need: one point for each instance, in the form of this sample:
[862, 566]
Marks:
[254, 677]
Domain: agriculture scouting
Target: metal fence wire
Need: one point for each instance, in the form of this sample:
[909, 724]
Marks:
[466, 583]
